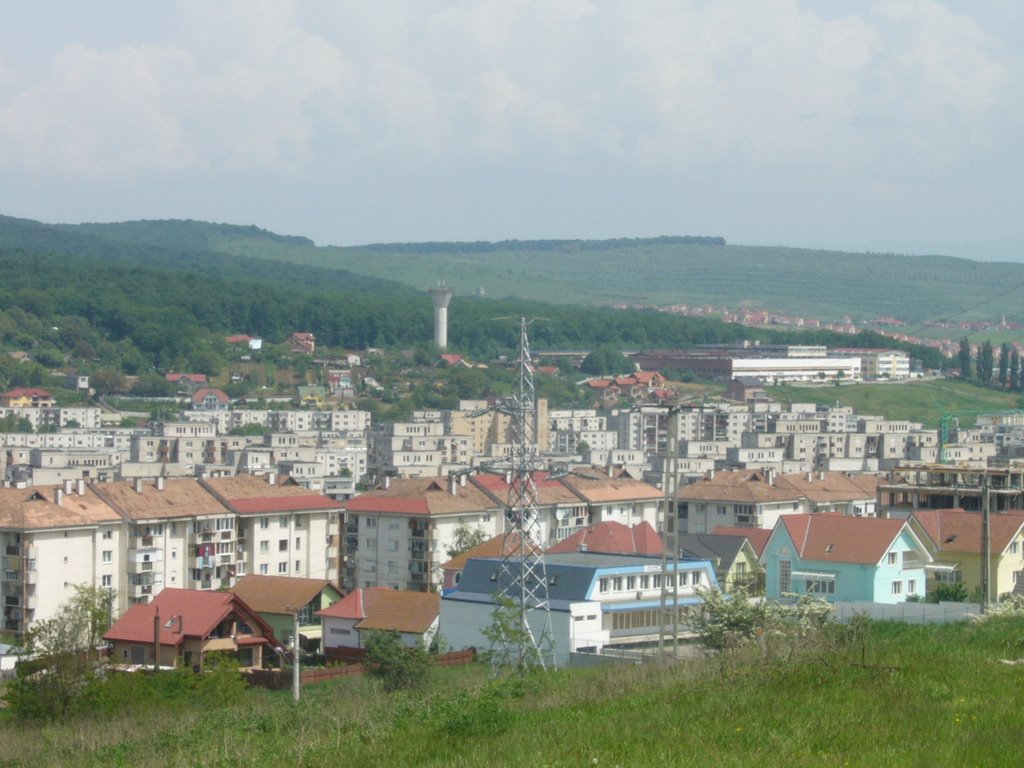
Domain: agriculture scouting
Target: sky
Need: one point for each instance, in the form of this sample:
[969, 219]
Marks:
[889, 126]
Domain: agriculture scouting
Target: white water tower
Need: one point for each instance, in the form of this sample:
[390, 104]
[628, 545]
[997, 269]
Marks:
[441, 295]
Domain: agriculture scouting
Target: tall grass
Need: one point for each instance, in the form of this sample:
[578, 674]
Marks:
[900, 695]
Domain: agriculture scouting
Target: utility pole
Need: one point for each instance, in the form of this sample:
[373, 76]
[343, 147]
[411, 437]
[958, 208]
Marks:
[669, 614]
[986, 544]
[296, 678]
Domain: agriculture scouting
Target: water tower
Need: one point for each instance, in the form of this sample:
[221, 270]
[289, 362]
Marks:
[441, 295]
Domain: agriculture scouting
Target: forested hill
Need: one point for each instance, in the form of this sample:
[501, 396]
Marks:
[694, 270]
[79, 298]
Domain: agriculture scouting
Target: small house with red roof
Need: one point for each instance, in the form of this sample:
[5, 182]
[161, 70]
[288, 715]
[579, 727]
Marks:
[187, 382]
[413, 615]
[301, 343]
[613, 538]
[842, 558]
[181, 627]
[207, 399]
[26, 397]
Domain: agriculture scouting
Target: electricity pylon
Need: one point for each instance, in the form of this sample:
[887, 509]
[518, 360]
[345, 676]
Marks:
[522, 635]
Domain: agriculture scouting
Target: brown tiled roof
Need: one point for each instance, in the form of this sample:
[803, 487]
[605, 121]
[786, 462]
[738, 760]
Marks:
[251, 495]
[824, 487]
[954, 530]
[841, 539]
[493, 547]
[179, 498]
[278, 594]
[423, 496]
[388, 609]
[612, 538]
[603, 489]
[728, 486]
[36, 508]
[548, 491]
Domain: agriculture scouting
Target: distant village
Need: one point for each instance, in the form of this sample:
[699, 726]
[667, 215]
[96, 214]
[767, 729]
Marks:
[323, 523]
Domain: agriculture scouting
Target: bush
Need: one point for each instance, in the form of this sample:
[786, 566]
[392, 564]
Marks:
[396, 665]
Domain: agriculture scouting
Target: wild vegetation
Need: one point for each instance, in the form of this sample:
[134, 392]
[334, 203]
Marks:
[883, 694]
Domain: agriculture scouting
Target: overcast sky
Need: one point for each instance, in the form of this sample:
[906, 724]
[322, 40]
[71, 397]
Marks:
[889, 126]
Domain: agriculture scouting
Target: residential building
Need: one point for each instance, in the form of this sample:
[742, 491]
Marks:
[842, 558]
[190, 624]
[735, 560]
[413, 615]
[284, 601]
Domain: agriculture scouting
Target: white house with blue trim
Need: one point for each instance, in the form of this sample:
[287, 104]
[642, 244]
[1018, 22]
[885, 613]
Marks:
[596, 600]
[841, 558]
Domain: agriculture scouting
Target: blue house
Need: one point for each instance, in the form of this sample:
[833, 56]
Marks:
[844, 559]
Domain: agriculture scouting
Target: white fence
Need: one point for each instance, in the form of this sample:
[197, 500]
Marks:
[910, 613]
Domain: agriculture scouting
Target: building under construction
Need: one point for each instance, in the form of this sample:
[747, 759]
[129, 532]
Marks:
[944, 486]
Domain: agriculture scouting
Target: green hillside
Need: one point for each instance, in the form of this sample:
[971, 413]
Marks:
[898, 695]
[652, 271]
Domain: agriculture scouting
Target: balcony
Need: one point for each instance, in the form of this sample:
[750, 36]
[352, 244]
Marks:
[241, 556]
[140, 590]
[202, 562]
[142, 542]
[31, 577]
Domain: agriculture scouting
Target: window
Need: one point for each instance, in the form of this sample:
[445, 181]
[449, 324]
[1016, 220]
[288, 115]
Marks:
[392, 545]
[264, 546]
[282, 521]
[108, 555]
[264, 522]
[1013, 547]
[110, 534]
[645, 582]
[822, 587]
[631, 582]
[282, 545]
[298, 566]
[617, 583]
[897, 587]
[107, 581]
[912, 586]
[264, 570]
[602, 585]
[371, 522]
[371, 543]
[298, 543]
[892, 560]
[785, 570]
[282, 567]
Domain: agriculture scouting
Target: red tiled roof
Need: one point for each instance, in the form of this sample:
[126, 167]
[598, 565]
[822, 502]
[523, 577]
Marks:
[202, 394]
[200, 614]
[758, 537]
[613, 538]
[26, 392]
[238, 338]
[388, 504]
[282, 504]
[955, 530]
[840, 539]
[198, 378]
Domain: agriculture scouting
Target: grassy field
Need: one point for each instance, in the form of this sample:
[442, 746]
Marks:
[923, 401]
[902, 696]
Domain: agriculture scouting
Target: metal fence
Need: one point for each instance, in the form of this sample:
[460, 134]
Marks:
[909, 613]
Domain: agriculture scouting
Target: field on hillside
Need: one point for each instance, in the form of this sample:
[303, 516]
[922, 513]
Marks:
[898, 695]
[924, 401]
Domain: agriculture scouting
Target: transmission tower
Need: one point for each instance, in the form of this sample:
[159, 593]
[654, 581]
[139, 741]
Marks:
[523, 638]
[668, 615]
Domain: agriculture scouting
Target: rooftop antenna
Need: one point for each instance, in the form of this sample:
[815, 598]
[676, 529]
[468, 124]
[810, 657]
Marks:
[525, 642]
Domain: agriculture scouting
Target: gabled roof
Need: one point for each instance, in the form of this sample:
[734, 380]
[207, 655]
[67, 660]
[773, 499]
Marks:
[493, 547]
[26, 392]
[758, 537]
[825, 487]
[743, 487]
[252, 495]
[605, 489]
[200, 611]
[201, 394]
[387, 609]
[196, 378]
[709, 546]
[179, 498]
[548, 491]
[842, 539]
[612, 538]
[954, 530]
[36, 508]
[424, 496]
[279, 594]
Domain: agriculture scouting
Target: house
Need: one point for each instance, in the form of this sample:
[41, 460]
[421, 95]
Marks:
[954, 540]
[757, 537]
[301, 343]
[181, 627]
[596, 600]
[239, 340]
[206, 399]
[187, 382]
[312, 396]
[413, 615]
[26, 397]
[277, 599]
[736, 562]
[453, 361]
[613, 538]
[842, 558]
[746, 389]
[493, 547]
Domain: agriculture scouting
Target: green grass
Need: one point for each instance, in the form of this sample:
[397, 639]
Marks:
[909, 696]
[923, 401]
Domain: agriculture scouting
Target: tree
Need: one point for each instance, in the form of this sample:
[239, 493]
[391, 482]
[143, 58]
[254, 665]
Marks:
[964, 357]
[64, 651]
[606, 360]
[396, 665]
[1014, 374]
[985, 363]
[464, 539]
[1004, 363]
[947, 593]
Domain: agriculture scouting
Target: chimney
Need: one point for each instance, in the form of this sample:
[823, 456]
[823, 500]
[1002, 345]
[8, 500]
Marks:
[810, 477]
[272, 478]
[67, 487]
[138, 485]
[160, 483]
[769, 475]
[58, 497]
[462, 480]
[81, 487]
[452, 484]
[387, 482]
